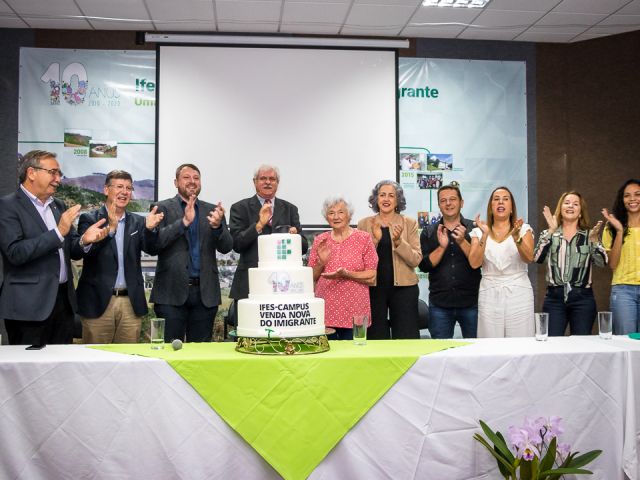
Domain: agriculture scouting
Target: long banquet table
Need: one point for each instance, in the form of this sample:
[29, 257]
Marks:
[71, 412]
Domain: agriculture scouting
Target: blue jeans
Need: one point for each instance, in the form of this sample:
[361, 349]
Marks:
[579, 311]
[625, 305]
[442, 321]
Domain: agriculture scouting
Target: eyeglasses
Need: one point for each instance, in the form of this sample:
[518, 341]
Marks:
[336, 213]
[54, 172]
[120, 188]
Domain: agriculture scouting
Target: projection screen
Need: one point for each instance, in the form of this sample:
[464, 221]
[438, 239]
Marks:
[326, 117]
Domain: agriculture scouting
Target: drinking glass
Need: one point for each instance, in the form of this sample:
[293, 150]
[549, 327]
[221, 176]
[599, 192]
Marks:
[157, 333]
[360, 323]
[542, 326]
[605, 323]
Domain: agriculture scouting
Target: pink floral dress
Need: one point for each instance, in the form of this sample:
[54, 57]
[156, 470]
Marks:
[345, 298]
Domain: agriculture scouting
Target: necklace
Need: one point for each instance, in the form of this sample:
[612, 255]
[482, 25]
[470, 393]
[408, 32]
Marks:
[499, 236]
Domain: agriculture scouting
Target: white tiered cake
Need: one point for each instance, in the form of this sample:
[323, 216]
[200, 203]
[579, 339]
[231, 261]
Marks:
[281, 303]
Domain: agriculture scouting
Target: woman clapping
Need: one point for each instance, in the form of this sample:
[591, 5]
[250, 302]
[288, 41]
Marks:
[503, 246]
[344, 263]
[621, 238]
[394, 297]
[570, 250]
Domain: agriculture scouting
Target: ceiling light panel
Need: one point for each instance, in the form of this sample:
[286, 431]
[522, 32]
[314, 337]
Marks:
[126, 9]
[456, 3]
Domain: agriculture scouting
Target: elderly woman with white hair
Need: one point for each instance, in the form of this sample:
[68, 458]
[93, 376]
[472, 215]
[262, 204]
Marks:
[394, 295]
[344, 263]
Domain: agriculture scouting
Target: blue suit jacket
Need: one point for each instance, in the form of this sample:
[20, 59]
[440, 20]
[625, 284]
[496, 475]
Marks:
[100, 266]
[31, 262]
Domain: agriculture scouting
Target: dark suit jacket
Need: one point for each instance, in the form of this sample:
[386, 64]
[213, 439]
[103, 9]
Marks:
[170, 286]
[31, 261]
[100, 266]
[242, 223]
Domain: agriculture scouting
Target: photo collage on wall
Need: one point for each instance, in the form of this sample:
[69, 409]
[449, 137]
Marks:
[473, 133]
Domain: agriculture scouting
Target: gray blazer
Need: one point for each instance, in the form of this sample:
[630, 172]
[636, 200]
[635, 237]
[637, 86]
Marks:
[31, 261]
[171, 286]
[242, 223]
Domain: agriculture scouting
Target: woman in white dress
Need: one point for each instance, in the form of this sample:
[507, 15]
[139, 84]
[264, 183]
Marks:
[503, 246]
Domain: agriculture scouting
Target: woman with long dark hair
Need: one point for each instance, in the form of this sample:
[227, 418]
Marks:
[621, 238]
[503, 246]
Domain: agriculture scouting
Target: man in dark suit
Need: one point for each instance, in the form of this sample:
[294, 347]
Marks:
[186, 289]
[261, 214]
[37, 240]
[110, 292]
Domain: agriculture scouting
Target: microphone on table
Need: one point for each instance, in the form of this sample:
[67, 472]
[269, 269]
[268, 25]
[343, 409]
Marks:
[176, 344]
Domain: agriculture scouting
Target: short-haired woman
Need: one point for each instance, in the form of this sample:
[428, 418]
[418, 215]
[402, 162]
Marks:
[344, 263]
[394, 296]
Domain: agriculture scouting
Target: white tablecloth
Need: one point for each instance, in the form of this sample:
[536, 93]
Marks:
[69, 412]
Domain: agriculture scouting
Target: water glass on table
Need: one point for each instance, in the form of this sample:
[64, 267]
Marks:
[542, 326]
[157, 333]
[605, 325]
[360, 323]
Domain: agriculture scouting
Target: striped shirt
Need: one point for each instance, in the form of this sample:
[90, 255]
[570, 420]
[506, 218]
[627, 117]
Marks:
[569, 262]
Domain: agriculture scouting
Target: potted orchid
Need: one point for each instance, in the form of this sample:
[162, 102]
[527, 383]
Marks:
[533, 451]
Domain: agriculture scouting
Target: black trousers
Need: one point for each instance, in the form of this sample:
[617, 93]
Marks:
[192, 321]
[55, 329]
[394, 312]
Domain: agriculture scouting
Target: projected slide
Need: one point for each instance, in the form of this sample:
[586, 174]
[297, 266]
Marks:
[326, 118]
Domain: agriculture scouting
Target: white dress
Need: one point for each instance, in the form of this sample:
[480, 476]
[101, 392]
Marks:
[505, 301]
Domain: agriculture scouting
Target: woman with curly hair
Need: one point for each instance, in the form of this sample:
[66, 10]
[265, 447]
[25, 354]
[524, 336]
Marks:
[394, 296]
[621, 238]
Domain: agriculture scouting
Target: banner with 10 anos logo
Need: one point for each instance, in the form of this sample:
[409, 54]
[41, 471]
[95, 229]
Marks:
[96, 110]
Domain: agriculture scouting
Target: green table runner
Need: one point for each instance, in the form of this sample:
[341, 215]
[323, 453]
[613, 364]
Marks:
[292, 409]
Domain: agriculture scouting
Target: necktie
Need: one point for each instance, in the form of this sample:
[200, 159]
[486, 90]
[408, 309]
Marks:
[268, 202]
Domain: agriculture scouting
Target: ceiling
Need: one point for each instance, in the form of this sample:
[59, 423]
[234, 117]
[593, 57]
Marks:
[559, 21]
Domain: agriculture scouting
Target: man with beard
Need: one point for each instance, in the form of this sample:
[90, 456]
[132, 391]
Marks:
[186, 289]
[453, 284]
[111, 299]
[37, 239]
